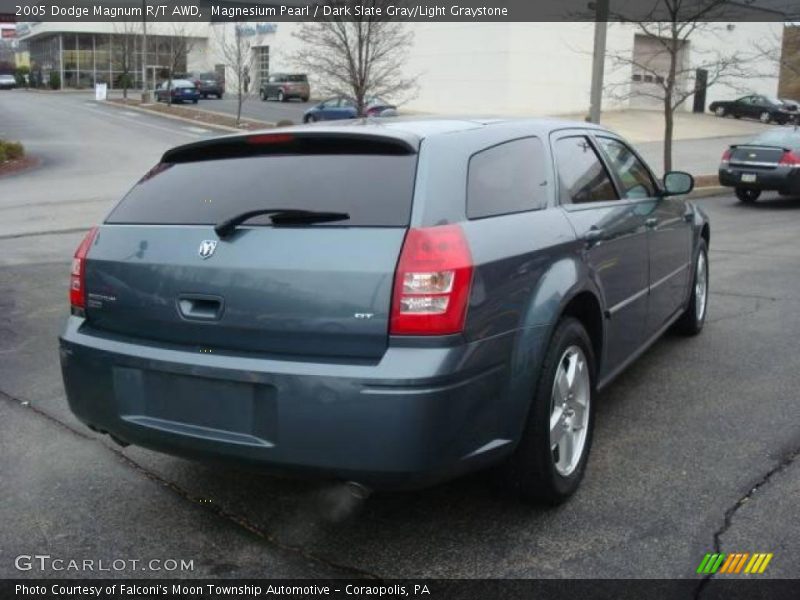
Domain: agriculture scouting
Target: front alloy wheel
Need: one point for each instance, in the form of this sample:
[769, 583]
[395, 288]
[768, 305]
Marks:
[720, 111]
[765, 117]
[693, 318]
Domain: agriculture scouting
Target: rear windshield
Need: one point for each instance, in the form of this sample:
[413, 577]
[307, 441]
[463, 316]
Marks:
[784, 138]
[297, 78]
[375, 190]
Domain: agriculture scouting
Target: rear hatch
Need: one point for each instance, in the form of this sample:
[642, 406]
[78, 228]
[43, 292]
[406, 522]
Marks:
[158, 271]
[763, 157]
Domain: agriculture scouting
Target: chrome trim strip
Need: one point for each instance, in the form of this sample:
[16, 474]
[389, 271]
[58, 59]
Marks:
[752, 163]
[664, 279]
[618, 307]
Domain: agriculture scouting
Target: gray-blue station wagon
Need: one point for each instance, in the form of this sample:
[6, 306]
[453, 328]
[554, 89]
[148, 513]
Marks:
[390, 303]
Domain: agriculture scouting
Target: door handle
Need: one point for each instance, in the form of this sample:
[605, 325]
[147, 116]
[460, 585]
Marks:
[200, 307]
[593, 236]
[651, 223]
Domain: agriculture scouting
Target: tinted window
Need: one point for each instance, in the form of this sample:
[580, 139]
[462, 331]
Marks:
[636, 181]
[581, 176]
[374, 189]
[295, 78]
[508, 178]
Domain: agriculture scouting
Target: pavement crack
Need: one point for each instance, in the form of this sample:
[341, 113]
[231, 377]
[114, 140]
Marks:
[215, 509]
[729, 513]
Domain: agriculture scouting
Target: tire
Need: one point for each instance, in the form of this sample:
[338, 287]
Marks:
[304, 98]
[263, 95]
[539, 471]
[747, 195]
[693, 319]
[721, 112]
[281, 97]
[310, 119]
[205, 96]
[219, 96]
[194, 101]
[765, 117]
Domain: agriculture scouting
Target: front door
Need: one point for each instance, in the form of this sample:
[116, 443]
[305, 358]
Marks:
[615, 242]
[669, 234]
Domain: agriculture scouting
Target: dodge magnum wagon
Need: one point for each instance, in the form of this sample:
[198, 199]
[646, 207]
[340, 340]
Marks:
[391, 303]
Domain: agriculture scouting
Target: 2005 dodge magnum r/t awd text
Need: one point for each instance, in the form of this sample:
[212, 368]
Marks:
[388, 303]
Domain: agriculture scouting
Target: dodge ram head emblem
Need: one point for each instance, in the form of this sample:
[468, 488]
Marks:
[207, 248]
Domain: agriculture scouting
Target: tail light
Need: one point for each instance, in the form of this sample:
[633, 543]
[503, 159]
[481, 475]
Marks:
[77, 279]
[726, 156]
[432, 282]
[789, 159]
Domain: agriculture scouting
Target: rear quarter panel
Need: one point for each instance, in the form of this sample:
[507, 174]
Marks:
[527, 265]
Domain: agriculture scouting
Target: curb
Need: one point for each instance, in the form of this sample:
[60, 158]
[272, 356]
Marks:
[183, 119]
[709, 192]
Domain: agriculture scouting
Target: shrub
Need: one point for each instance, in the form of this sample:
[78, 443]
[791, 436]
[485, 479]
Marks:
[20, 75]
[11, 151]
[55, 80]
[14, 150]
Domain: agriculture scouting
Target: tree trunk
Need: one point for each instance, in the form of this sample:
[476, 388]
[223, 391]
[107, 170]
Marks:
[668, 131]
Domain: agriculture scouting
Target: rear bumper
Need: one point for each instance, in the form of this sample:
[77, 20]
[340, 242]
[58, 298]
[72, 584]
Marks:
[784, 179]
[418, 416]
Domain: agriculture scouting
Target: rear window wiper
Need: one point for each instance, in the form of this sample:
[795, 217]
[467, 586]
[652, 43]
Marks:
[279, 216]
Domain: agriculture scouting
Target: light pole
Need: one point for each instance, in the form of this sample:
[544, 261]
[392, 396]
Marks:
[145, 93]
[598, 58]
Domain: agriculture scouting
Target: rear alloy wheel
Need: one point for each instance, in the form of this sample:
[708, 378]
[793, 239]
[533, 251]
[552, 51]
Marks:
[281, 97]
[747, 195]
[720, 111]
[765, 117]
[550, 459]
[693, 319]
[263, 95]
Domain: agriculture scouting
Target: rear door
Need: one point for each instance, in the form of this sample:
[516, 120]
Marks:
[158, 271]
[615, 238]
[669, 234]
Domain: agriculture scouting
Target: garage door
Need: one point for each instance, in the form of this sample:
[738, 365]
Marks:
[650, 69]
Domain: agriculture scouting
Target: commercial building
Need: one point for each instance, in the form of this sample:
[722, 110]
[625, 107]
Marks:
[509, 68]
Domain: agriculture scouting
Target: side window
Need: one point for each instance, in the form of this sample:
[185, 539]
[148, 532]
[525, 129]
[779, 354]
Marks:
[636, 180]
[582, 177]
[508, 178]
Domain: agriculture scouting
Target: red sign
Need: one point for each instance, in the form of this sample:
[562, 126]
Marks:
[8, 33]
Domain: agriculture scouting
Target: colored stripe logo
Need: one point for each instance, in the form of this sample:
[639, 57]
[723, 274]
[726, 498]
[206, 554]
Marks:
[735, 563]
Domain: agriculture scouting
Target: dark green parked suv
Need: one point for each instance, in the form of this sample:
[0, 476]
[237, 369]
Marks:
[390, 303]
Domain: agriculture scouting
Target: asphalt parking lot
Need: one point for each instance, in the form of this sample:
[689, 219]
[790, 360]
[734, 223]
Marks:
[696, 446]
[270, 111]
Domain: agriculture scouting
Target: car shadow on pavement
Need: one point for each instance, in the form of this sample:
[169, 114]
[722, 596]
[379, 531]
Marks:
[771, 202]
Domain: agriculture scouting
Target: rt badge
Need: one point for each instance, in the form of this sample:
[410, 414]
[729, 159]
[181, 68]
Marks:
[207, 248]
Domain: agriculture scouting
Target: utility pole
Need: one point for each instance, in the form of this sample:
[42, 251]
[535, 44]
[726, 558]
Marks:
[598, 58]
[145, 94]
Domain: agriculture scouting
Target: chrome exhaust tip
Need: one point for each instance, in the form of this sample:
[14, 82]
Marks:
[358, 490]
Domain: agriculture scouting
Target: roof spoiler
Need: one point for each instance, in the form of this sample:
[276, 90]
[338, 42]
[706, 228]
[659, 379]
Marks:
[290, 142]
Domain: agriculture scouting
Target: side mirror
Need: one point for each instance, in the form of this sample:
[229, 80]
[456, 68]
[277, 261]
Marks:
[677, 183]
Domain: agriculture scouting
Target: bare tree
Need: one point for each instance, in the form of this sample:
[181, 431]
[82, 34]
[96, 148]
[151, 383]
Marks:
[357, 56]
[235, 49]
[180, 45]
[679, 22]
[782, 54]
[123, 58]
